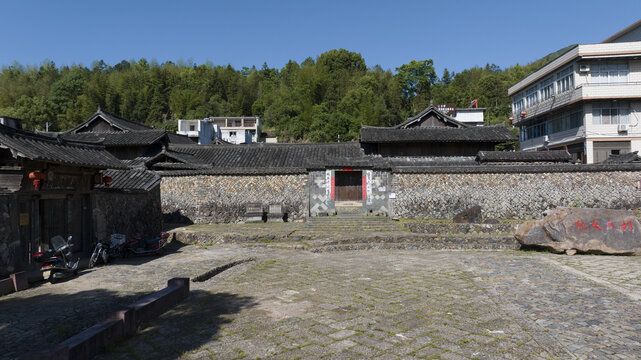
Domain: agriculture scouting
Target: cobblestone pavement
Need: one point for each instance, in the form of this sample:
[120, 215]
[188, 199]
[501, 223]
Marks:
[360, 304]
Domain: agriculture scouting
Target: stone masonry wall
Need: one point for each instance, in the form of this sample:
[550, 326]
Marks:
[512, 195]
[127, 213]
[222, 198]
[10, 250]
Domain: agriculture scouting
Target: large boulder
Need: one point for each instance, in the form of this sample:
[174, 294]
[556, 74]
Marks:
[596, 231]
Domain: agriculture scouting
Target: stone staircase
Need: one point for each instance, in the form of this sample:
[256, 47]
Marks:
[352, 230]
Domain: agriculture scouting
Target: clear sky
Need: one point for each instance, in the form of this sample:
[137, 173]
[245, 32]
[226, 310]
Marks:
[455, 34]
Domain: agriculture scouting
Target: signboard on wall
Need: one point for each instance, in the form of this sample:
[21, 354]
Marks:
[368, 175]
[328, 186]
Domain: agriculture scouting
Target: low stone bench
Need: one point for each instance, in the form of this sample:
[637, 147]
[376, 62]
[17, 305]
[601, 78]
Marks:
[253, 213]
[275, 213]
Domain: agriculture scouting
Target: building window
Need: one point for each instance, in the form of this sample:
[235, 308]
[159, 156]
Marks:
[536, 129]
[547, 88]
[532, 96]
[232, 133]
[611, 112]
[192, 127]
[609, 73]
[565, 122]
[565, 79]
[517, 104]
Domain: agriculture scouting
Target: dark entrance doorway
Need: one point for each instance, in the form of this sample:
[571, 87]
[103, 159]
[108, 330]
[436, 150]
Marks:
[349, 185]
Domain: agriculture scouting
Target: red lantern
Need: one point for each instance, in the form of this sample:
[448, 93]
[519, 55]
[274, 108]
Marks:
[107, 180]
[37, 177]
[511, 120]
[523, 114]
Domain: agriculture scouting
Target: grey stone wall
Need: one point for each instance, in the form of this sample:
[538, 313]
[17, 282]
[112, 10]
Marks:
[222, 198]
[320, 199]
[126, 213]
[377, 192]
[10, 250]
[512, 195]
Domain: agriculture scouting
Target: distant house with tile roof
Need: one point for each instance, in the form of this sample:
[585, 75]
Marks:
[433, 133]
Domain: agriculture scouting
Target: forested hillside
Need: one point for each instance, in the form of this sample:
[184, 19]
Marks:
[317, 100]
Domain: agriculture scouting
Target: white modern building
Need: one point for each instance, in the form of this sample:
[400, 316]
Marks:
[470, 116]
[239, 130]
[587, 101]
[234, 130]
[473, 116]
[202, 132]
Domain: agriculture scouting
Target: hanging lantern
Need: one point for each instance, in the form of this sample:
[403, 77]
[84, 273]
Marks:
[523, 114]
[511, 120]
[37, 178]
[107, 180]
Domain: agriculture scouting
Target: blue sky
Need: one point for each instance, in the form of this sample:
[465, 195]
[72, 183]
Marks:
[455, 34]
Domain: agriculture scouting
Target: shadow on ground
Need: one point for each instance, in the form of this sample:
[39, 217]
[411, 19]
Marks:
[182, 330]
[40, 321]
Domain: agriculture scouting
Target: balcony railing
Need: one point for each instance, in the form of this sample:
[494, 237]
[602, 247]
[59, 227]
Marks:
[582, 91]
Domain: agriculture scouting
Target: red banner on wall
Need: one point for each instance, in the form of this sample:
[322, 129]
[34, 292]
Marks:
[364, 187]
[333, 186]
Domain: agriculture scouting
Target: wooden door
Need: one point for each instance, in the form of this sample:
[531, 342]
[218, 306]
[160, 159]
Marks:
[349, 185]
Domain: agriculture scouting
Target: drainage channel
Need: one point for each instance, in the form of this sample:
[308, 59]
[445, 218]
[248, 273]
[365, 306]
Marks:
[218, 269]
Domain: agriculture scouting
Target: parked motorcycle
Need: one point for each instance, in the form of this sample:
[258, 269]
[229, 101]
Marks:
[107, 250]
[138, 246]
[57, 262]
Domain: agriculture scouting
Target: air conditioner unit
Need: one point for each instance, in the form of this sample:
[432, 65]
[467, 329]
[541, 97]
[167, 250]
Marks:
[584, 68]
[623, 128]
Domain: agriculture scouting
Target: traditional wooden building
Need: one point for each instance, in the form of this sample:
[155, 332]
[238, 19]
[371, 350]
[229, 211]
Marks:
[432, 133]
[125, 139]
[45, 188]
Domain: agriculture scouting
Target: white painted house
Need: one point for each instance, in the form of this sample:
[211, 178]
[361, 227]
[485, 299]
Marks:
[239, 130]
[470, 116]
[587, 101]
[202, 132]
[235, 130]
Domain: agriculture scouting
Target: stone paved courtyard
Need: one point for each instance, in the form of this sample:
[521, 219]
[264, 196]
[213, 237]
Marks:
[385, 304]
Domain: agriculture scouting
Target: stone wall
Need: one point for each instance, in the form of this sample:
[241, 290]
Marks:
[222, 198]
[512, 195]
[126, 213]
[10, 250]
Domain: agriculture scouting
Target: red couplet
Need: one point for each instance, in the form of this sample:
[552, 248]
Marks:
[333, 186]
[364, 187]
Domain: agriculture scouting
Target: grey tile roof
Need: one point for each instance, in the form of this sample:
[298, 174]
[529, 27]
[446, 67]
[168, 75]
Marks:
[179, 139]
[57, 150]
[114, 120]
[491, 134]
[524, 156]
[131, 180]
[268, 155]
[120, 138]
[422, 114]
[631, 157]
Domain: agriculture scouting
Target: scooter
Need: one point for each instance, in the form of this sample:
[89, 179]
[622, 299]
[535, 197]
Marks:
[137, 246]
[107, 250]
[57, 262]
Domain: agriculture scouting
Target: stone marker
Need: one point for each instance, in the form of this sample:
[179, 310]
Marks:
[253, 213]
[469, 215]
[595, 231]
[275, 213]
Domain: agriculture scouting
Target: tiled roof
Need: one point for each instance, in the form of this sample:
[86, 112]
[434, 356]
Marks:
[268, 155]
[492, 134]
[120, 138]
[631, 157]
[114, 120]
[422, 114]
[431, 161]
[57, 150]
[179, 139]
[132, 180]
[524, 156]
